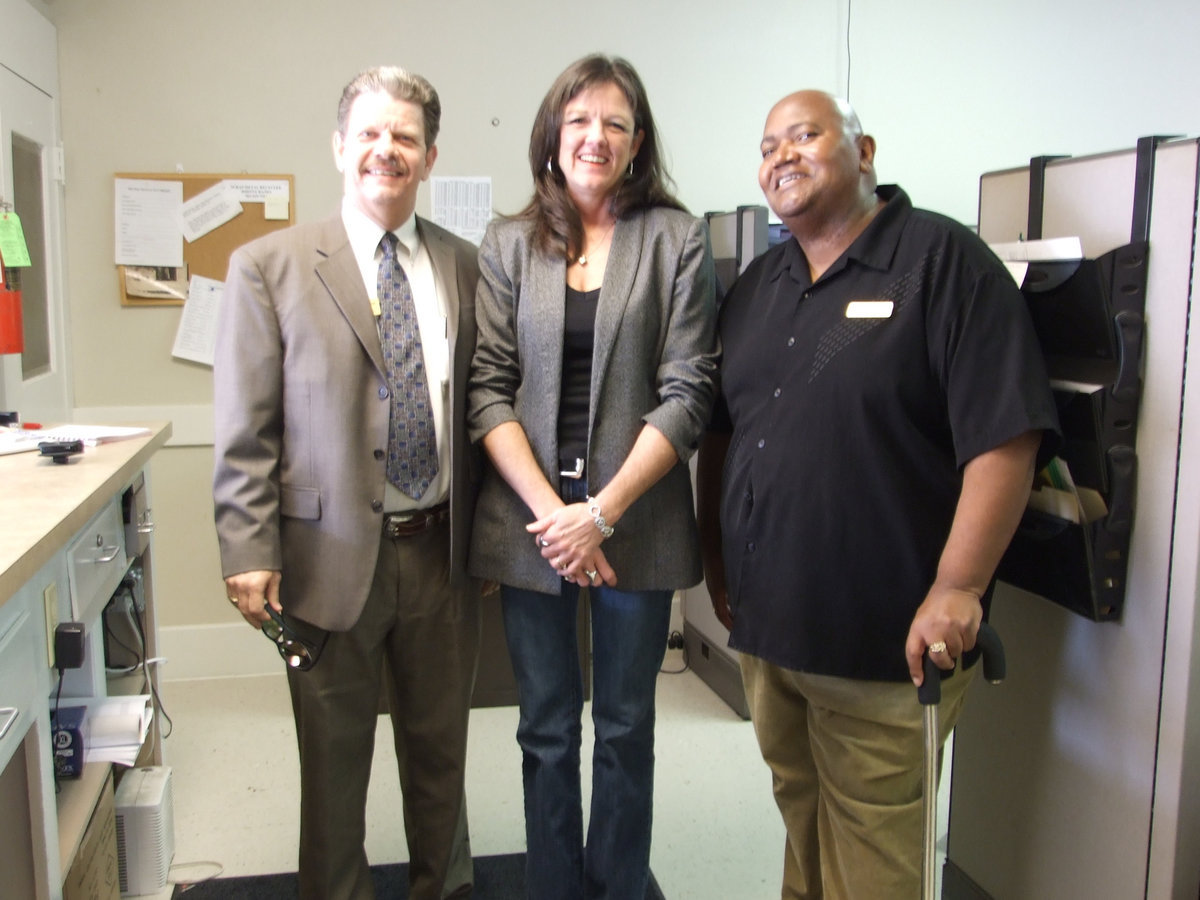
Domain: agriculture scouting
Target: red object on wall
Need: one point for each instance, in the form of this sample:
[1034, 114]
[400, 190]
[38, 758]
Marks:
[12, 335]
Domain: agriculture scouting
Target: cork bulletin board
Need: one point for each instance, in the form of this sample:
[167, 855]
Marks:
[209, 254]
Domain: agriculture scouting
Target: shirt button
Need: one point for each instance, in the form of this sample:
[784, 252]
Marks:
[777, 392]
[377, 505]
[791, 342]
[383, 393]
[379, 454]
[750, 546]
[761, 444]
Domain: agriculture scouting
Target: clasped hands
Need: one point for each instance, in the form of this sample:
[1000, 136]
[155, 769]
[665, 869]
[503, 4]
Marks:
[569, 541]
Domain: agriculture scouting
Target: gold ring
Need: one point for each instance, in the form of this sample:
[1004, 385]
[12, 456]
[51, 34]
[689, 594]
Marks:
[937, 647]
[232, 600]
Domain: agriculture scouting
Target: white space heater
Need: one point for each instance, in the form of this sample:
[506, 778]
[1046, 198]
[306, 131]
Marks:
[145, 830]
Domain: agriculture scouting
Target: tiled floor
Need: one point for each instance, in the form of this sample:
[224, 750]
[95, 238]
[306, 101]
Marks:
[717, 834]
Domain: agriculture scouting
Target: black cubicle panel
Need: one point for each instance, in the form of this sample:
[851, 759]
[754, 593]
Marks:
[1089, 317]
[736, 238]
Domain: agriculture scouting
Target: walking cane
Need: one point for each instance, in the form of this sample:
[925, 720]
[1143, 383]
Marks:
[930, 694]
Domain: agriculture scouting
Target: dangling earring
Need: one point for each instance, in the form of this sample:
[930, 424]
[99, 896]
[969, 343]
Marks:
[630, 175]
[550, 165]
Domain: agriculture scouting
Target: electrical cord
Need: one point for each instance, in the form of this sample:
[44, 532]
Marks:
[149, 682]
[675, 641]
[142, 660]
[849, 10]
[57, 701]
[185, 884]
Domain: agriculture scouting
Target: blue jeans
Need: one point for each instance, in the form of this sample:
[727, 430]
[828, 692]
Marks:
[629, 639]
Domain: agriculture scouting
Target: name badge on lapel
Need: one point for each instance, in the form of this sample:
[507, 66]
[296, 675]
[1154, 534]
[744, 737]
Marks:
[869, 309]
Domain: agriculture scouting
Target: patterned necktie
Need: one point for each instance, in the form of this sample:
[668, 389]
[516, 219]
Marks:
[412, 461]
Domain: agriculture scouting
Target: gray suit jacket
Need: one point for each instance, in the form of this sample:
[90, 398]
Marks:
[655, 361]
[302, 416]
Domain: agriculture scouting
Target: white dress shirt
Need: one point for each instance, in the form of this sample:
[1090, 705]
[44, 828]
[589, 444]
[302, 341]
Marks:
[430, 300]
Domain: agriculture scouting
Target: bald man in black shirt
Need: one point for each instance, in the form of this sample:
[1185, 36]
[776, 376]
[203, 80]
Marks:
[882, 407]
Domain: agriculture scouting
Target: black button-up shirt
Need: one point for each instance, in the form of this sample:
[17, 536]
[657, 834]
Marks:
[849, 433]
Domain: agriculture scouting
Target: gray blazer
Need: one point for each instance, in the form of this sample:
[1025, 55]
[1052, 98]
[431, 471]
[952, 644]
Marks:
[655, 361]
[302, 416]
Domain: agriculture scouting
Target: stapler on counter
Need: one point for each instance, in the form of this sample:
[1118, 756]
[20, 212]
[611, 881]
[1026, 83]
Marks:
[60, 451]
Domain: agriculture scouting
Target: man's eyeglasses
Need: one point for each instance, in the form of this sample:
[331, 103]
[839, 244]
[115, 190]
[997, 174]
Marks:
[296, 652]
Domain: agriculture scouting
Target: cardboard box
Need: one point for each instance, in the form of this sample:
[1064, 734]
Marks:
[93, 875]
[68, 727]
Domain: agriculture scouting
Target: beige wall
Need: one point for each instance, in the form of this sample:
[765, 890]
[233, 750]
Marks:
[221, 86]
[950, 90]
[187, 569]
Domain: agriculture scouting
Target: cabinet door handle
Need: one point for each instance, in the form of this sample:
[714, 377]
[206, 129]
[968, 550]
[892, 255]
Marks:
[107, 554]
[145, 524]
[8, 715]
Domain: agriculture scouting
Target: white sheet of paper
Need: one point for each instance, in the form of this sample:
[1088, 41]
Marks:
[1032, 251]
[1017, 269]
[208, 210]
[257, 190]
[462, 205]
[196, 338]
[116, 727]
[275, 209]
[147, 222]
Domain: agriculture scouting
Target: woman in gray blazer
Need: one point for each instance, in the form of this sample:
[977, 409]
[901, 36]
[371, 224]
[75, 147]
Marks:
[592, 382]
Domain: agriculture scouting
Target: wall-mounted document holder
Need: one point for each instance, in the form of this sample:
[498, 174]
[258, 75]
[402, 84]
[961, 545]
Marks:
[1072, 546]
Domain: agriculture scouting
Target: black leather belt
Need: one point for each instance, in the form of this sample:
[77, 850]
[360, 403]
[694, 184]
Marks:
[406, 524]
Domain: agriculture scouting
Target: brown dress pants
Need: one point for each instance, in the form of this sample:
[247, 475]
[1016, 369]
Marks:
[428, 632]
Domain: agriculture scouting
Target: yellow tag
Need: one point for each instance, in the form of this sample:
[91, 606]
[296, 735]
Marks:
[375, 307]
[869, 309]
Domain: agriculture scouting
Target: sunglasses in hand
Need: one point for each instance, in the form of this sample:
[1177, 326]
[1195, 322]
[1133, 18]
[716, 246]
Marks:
[295, 650]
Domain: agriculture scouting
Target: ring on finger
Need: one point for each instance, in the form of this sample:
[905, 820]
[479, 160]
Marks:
[232, 600]
[937, 647]
[591, 574]
[542, 542]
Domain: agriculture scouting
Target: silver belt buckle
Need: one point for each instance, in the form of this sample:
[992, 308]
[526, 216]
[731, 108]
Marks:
[577, 472]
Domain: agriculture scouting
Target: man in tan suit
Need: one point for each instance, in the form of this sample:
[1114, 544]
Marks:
[349, 565]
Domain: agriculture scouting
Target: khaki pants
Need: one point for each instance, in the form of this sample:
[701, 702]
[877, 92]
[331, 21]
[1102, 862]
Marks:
[846, 763]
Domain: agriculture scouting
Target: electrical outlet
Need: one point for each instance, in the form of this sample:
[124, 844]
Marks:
[50, 599]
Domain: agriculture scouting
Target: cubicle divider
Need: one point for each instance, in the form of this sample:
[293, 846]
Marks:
[1076, 777]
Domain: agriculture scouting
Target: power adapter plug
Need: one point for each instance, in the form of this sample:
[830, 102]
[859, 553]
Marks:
[68, 645]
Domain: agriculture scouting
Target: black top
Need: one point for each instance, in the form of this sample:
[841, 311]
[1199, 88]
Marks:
[849, 434]
[574, 396]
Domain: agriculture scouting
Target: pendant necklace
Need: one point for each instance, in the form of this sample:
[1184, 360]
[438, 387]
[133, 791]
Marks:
[583, 257]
